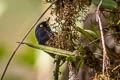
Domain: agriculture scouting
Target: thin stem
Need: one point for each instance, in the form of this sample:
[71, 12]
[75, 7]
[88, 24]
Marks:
[56, 72]
[102, 36]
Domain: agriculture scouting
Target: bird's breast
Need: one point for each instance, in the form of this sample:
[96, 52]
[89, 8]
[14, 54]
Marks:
[42, 36]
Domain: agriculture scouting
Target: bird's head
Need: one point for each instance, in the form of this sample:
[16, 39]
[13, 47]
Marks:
[42, 24]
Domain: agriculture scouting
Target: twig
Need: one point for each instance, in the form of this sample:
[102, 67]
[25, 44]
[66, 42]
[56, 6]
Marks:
[102, 36]
[16, 49]
[71, 72]
[110, 11]
[73, 69]
[117, 67]
[57, 67]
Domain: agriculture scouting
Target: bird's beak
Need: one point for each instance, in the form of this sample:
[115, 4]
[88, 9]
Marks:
[48, 20]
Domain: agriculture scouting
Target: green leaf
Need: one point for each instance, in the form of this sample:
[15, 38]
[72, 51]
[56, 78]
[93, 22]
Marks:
[118, 22]
[93, 34]
[107, 4]
[71, 58]
[89, 36]
[81, 62]
[81, 49]
[95, 29]
[50, 49]
[98, 54]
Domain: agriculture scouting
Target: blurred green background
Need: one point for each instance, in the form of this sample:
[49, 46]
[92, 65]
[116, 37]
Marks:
[16, 17]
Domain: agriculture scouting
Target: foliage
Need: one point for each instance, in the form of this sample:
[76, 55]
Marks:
[69, 38]
[107, 4]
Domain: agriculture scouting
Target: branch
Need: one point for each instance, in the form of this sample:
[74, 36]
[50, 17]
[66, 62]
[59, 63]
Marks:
[57, 68]
[102, 36]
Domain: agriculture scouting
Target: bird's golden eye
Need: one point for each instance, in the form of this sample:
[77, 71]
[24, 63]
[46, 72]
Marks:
[41, 25]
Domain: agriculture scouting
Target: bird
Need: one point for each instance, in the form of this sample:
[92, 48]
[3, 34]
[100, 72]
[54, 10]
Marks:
[43, 34]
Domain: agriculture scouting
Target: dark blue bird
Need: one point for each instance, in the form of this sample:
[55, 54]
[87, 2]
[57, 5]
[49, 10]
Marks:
[43, 33]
